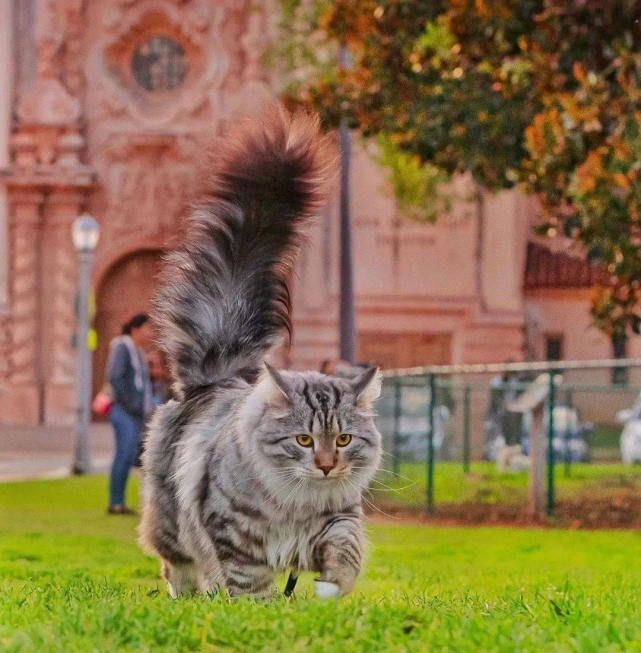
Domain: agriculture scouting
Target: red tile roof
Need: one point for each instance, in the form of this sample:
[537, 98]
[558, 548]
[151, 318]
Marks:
[547, 269]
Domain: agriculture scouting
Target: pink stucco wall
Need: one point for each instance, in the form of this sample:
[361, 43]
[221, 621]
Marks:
[77, 133]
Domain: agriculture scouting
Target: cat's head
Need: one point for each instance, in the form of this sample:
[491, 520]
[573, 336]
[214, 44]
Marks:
[308, 427]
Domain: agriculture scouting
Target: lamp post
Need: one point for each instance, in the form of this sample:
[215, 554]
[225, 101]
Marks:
[85, 233]
[347, 318]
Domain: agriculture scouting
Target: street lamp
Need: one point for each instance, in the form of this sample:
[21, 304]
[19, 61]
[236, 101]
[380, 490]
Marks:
[84, 233]
[347, 317]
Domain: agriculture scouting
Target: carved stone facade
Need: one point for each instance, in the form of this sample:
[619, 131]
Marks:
[106, 107]
[46, 184]
[109, 103]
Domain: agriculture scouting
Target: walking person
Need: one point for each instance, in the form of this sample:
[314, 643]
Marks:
[128, 373]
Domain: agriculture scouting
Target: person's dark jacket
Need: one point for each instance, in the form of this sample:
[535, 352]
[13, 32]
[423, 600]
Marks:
[122, 380]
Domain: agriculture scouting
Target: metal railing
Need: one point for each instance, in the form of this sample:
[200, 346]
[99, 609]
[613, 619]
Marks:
[497, 368]
[431, 378]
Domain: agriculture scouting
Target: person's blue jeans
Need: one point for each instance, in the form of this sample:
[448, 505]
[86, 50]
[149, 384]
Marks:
[127, 431]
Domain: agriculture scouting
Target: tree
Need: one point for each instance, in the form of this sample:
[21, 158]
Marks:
[543, 93]
[583, 148]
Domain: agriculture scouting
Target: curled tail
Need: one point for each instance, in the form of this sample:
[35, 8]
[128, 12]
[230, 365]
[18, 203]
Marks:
[224, 297]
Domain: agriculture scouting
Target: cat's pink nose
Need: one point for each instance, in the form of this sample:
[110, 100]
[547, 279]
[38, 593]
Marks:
[326, 461]
[326, 468]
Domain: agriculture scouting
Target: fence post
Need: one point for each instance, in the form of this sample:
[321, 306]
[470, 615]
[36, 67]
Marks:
[534, 400]
[430, 445]
[551, 404]
[466, 428]
[396, 463]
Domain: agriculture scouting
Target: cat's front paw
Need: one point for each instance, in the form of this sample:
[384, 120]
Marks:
[327, 590]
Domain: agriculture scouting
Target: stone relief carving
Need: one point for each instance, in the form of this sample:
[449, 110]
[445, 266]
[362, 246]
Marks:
[5, 346]
[129, 24]
[255, 43]
[246, 32]
[75, 28]
[47, 148]
[140, 131]
[146, 181]
[49, 103]
[24, 232]
[62, 289]
[58, 45]
[48, 129]
[223, 44]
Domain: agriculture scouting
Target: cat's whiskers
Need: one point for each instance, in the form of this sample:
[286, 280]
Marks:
[387, 471]
[282, 504]
[292, 495]
[387, 488]
[276, 491]
[275, 472]
[370, 504]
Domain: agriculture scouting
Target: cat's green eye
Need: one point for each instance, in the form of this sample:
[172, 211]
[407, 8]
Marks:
[305, 440]
[343, 440]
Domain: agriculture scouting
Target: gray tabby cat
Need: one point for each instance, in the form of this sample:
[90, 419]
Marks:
[252, 470]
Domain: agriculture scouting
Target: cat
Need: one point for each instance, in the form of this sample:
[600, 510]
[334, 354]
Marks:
[252, 470]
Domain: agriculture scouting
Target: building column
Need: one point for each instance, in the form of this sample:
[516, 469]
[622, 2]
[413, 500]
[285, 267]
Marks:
[6, 94]
[62, 208]
[21, 398]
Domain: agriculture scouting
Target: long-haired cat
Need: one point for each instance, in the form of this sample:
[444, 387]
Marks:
[253, 470]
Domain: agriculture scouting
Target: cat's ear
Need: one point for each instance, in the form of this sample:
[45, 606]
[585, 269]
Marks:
[367, 387]
[279, 383]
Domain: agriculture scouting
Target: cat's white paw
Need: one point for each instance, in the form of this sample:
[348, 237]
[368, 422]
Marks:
[325, 590]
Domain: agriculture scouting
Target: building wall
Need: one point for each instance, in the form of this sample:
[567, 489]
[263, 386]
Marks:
[566, 313]
[89, 133]
[6, 88]
[446, 279]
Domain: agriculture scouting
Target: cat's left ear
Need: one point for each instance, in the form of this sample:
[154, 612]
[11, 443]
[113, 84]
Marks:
[367, 387]
[279, 383]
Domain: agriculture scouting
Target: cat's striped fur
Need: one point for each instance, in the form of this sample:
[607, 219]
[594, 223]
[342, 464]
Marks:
[230, 494]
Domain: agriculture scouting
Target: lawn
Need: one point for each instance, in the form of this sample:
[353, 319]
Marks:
[484, 484]
[73, 579]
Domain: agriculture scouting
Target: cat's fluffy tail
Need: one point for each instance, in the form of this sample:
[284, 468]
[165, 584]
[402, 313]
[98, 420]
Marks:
[224, 297]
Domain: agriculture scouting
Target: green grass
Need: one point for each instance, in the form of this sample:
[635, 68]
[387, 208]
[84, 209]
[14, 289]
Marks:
[605, 442]
[607, 436]
[485, 484]
[73, 579]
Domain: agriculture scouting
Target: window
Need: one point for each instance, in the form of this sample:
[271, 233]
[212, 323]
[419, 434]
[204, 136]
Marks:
[554, 347]
[620, 350]
[159, 64]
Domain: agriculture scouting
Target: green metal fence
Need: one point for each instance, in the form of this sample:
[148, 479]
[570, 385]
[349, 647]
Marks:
[415, 401]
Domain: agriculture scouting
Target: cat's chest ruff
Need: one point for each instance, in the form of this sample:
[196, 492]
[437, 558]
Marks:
[289, 546]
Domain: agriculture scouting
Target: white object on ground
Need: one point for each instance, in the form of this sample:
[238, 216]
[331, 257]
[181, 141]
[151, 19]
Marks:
[519, 463]
[631, 442]
[325, 590]
[631, 435]
[504, 456]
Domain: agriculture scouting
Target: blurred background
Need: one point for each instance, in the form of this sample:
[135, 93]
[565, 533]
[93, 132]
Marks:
[487, 211]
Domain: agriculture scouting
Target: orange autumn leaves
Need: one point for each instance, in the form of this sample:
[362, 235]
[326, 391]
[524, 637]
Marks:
[541, 93]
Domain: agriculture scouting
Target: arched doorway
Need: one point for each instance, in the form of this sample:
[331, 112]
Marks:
[127, 288]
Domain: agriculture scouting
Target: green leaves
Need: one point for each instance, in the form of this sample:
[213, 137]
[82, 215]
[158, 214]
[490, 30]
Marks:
[418, 186]
[437, 40]
[545, 94]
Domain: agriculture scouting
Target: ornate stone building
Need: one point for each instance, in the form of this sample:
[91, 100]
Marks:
[104, 105]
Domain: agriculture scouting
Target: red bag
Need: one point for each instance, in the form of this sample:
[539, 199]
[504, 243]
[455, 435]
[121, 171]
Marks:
[103, 401]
